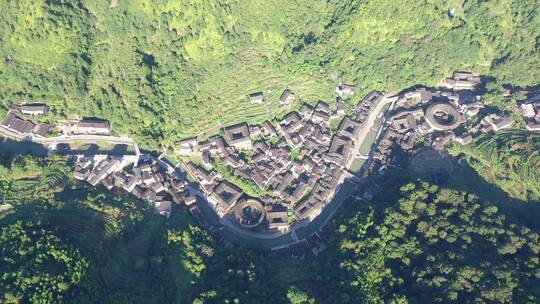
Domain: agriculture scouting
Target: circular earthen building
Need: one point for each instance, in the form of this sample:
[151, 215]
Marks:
[442, 116]
[249, 213]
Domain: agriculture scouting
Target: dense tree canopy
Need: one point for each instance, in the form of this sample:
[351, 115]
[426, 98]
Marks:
[36, 265]
[441, 246]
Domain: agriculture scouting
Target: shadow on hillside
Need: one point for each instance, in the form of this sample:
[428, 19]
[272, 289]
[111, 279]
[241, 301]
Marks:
[9, 147]
[126, 260]
[93, 149]
[465, 178]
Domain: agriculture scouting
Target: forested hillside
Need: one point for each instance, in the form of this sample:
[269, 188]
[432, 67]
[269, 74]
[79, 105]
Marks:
[160, 70]
[440, 246]
[62, 243]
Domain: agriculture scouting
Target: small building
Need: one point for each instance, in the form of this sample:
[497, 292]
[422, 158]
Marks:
[467, 76]
[306, 111]
[404, 122]
[107, 167]
[133, 181]
[321, 118]
[190, 199]
[255, 131]
[202, 175]
[308, 208]
[322, 107]
[533, 125]
[163, 208]
[188, 146]
[442, 138]
[462, 81]
[41, 129]
[206, 157]
[14, 123]
[420, 95]
[464, 140]
[340, 107]
[527, 110]
[349, 128]
[256, 98]
[530, 111]
[286, 98]
[277, 217]
[340, 149]
[267, 129]
[345, 89]
[34, 109]
[291, 122]
[499, 122]
[96, 127]
[238, 136]
[226, 195]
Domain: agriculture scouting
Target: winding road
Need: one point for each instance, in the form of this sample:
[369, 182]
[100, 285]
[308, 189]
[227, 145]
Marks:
[66, 139]
[299, 231]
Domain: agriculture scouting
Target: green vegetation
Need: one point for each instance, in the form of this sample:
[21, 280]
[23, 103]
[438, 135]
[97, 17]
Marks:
[163, 70]
[508, 159]
[227, 172]
[160, 70]
[417, 243]
[37, 265]
[442, 246]
[64, 242]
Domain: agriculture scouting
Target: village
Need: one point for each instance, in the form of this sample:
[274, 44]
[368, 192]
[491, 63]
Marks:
[297, 186]
[434, 118]
[271, 177]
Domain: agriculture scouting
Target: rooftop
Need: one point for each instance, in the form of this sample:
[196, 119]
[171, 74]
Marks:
[237, 133]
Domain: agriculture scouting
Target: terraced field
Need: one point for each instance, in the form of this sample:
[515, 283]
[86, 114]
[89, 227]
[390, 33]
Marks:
[231, 89]
[509, 159]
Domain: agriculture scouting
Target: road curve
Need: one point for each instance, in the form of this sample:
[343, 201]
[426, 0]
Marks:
[67, 138]
[231, 232]
[301, 230]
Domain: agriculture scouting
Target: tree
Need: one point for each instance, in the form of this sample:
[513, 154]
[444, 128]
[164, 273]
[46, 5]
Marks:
[297, 296]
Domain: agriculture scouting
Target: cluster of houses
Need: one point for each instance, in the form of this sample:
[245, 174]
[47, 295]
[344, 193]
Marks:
[435, 117]
[21, 119]
[298, 163]
[148, 179]
[530, 111]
